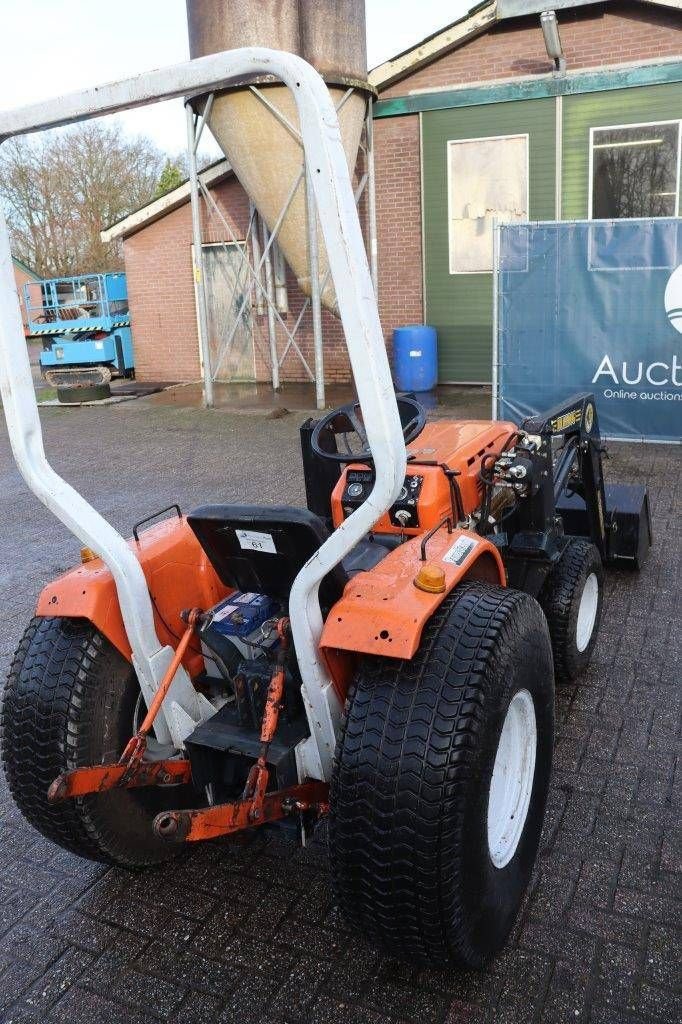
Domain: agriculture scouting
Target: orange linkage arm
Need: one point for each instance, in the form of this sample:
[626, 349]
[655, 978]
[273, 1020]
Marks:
[257, 806]
[257, 782]
[131, 770]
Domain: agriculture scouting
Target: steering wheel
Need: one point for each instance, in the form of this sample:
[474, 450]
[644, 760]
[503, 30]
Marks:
[341, 437]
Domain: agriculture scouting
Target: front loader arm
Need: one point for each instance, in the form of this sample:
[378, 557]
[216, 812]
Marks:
[576, 421]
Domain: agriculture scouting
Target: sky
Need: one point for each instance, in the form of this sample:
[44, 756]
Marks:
[50, 47]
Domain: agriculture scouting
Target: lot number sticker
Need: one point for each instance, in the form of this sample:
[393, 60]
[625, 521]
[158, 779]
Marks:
[462, 547]
[252, 540]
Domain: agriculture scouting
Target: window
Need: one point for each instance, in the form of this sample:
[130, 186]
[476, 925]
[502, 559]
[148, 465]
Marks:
[487, 181]
[635, 171]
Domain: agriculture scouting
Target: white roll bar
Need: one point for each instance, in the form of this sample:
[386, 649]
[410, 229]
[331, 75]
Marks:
[328, 171]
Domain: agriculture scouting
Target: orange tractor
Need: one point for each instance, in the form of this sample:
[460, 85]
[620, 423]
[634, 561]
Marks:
[444, 630]
[384, 658]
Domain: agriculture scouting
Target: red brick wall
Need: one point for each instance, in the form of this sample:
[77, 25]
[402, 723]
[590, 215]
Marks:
[614, 33]
[158, 266]
[20, 279]
[399, 231]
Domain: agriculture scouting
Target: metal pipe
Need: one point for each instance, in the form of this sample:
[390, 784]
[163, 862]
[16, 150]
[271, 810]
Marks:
[224, 344]
[277, 114]
[372, 201]
[496, 326]
[203, 120]
[281, 294]
[315, 300]
[558, 153]
[255, 248]
[270, 292]
[198, 260]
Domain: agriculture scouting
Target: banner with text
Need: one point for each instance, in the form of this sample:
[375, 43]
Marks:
[593, 306]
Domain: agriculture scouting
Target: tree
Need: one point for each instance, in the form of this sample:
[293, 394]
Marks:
[61, 189]
[176, 171]
[171, 176]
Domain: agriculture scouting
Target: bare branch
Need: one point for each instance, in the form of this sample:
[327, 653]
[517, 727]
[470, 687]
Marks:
[59, 190]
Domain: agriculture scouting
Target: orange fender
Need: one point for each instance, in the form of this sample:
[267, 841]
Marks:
[383, 612]
[179, 576]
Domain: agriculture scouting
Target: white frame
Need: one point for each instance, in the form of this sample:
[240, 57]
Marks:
[617, 127]
[333, 192]
[481, 138]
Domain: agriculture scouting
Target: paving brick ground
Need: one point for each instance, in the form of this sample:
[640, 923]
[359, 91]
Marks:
[246, 931]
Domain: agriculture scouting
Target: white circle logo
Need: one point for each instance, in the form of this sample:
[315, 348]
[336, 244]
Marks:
[673, 299]
[589, 417]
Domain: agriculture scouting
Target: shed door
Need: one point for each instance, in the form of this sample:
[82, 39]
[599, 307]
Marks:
[230, 341]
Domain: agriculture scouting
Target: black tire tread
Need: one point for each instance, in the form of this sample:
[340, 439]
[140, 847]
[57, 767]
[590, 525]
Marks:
[40, 715]
[396, 813]
[556, 599]
[64, 679]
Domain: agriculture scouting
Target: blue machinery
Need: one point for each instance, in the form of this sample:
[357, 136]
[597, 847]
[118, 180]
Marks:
[84, 324]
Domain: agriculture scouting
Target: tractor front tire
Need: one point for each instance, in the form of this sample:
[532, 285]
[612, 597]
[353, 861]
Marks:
[70, 701]
[440, 781]
[571, 598]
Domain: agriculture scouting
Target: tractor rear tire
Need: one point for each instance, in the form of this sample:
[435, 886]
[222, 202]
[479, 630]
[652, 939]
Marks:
[571, 598]
[440, 781]
[70, 701]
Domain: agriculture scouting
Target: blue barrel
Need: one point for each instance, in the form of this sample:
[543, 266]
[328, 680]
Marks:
[415, 357]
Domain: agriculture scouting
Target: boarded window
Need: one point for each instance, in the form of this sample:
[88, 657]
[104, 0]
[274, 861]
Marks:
[635, 171]
[487, 181]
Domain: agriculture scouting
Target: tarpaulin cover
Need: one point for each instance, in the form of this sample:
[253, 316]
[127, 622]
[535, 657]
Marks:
[593, 306]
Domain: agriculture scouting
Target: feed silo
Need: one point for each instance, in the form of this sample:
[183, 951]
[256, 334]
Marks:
[254, 128]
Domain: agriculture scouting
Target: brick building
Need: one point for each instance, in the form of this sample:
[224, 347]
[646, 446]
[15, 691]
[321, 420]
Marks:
[22, 275]
[157, 249]
[473, 123]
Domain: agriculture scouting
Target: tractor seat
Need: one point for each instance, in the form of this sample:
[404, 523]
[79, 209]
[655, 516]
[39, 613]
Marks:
[257, 549]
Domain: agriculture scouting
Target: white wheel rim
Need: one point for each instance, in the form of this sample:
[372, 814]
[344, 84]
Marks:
[587, 612]
[512, 780]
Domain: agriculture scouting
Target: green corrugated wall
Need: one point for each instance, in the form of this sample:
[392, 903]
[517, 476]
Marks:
[460, 305]
[591, 110]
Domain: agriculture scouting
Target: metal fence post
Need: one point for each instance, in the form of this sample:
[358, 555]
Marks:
[496, 331]
[372, 201]
[198, 259]
[315, 302]
[270, 293]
